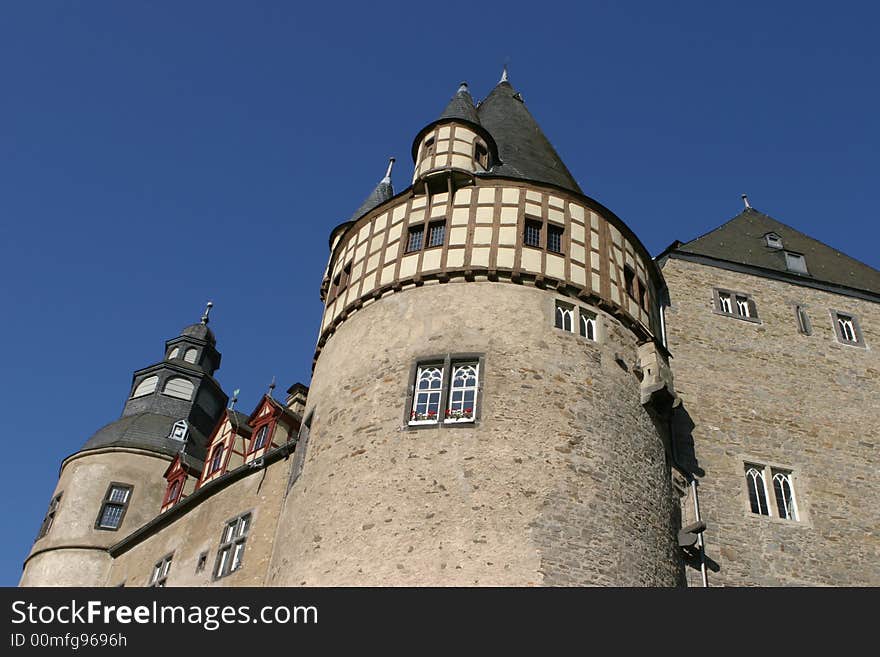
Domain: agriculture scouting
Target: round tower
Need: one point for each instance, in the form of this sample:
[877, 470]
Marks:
[490, 382]
[115, 483]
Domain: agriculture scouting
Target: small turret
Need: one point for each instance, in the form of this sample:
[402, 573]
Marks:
[453, 148]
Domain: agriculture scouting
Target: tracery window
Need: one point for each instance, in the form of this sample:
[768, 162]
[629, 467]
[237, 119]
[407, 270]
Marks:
[757, 490]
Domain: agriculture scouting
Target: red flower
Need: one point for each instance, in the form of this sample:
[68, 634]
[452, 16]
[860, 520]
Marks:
[468, 410]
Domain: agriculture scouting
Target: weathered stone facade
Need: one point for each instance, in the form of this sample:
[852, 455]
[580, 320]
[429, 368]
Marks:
[763, 393]
[576, 461]
[562, 480]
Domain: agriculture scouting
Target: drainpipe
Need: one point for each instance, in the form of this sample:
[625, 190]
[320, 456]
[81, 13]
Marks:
[693, 482]
[705, 577]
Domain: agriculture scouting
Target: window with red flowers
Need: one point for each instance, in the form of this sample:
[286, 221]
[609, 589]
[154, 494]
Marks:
[445, 390]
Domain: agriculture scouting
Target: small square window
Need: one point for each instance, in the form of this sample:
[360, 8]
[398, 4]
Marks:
[796, 262]
[414, 239]
[436, 233]
[532, 233]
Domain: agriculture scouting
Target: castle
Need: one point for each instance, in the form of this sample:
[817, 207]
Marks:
[493, 403]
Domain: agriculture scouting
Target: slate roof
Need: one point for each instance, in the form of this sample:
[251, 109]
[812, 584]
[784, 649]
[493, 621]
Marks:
[148, 431]
[525, 151]
[741, 240]
[201, 332]
[377, 197]
[461, 106]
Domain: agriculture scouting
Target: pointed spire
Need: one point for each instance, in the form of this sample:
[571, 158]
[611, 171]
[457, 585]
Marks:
[746, 201]
[387, 178]
[208, 307]
[503, 75]
[271, 386]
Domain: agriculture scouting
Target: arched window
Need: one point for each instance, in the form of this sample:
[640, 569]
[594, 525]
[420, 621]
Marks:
[463, 393]
[190, 355]
[588, 325]
[757, 491]
[564, 317]
[145, 387]
[174, 353]
[481, 154]
[178, 387]
[260, 439]
[216, 459]
[426, 400]
[173, 492]
[785, 495]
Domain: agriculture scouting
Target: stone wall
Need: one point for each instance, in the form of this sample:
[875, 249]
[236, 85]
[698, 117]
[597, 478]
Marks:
[764, 393]
[562, 481]
[199, 531]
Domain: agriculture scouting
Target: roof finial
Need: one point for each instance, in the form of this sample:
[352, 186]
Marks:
[503, 74]
[207, 311]
[234, 398]
[387, 178]
[463, 88]
[271, 386]
[746, 201]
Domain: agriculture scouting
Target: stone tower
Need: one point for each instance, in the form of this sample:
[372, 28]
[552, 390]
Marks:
[490, 388]
[114, 483]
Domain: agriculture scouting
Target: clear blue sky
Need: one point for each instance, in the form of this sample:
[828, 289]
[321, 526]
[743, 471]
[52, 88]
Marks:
[154, 155]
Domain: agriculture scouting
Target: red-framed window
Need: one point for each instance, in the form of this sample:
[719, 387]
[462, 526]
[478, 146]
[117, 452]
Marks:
[216, 459]
[262, 437]
[174, 490]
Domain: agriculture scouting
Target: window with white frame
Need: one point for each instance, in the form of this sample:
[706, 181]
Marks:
[426, 396]
[160, 572]
[588, 325]
[232, 541]
[773, 240]
[783, 503]
[757, 488]
[445, 390]
[847, 329]
[463, 392]
[564, 318]
[784, 491]
[735, 304]
[114, 507]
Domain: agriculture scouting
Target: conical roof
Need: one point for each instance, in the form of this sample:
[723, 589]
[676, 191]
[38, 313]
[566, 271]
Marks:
[524, 150]
[741, 240]
[461, 107]
[383, 191]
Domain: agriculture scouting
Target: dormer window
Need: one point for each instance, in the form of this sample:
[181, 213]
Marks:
[261, 438]
[481, 155]
[179, 430]
[796, 262]
[773, 240]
